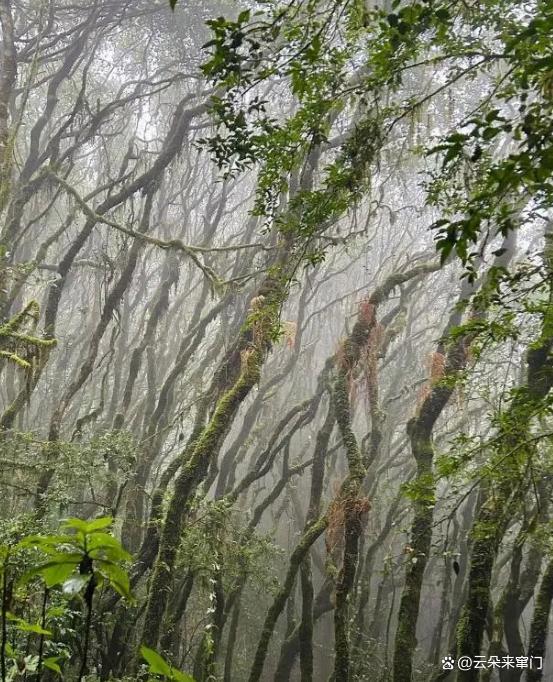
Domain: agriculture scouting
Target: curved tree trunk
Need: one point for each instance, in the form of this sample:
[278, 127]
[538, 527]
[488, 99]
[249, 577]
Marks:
[494, 515]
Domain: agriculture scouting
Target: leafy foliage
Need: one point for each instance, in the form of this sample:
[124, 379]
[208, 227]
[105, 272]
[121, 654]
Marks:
[75, 563]
[158, 667]
[495, 186]
[480, 189]
[88, 556]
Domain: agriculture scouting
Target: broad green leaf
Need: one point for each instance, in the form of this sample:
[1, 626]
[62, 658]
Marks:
[55, 572]
[46, 542]
[52, 664]
[100, 524]
[116, 576]
[87, 527]
[75, 524]
[157, 664]
[102, 541]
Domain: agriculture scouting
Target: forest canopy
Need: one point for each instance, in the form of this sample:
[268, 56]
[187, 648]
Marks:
[276, 333]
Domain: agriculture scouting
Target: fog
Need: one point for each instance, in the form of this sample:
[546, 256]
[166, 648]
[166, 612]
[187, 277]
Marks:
[294, 429]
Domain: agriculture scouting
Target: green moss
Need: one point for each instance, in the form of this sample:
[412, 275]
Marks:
[192, 473]
[14, 340]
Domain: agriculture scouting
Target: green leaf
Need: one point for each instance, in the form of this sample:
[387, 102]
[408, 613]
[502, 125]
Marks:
[116, 576]
[36, 628]
[58, 574]
[46, 542]
[157, 664]
[52, 664]
[87, 527]
[55, 572]
[179, 676]
[102, 541]
[24, 626]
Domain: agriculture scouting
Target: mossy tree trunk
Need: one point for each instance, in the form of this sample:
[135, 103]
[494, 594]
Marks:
[522, 583]
[305, 630]
[539, 629]
[193, 472]
[309, 537]
[306, 625]
[8, 78]
[420, 430]
[514, 449]
[451, 359]
[290, 648]
[350, 498]
[353, 508]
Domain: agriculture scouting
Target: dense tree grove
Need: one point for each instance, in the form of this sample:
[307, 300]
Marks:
[276, 340]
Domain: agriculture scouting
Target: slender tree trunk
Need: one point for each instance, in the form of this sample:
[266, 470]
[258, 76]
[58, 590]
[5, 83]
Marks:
[492, 520]
[539, 629]
[447, 363]
[302, 548]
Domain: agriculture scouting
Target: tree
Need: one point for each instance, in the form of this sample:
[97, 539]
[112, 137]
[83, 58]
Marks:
[276, 298]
